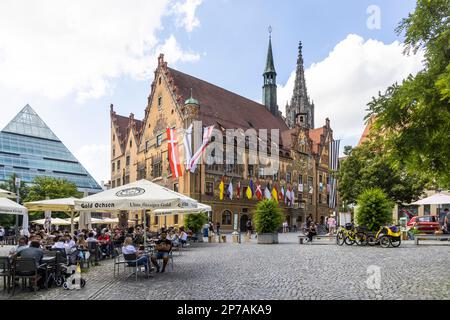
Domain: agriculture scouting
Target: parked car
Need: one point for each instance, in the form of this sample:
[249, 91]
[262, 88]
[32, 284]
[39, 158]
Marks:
[426, 224]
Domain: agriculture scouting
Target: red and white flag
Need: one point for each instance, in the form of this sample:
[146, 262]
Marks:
[207, 133]
[258, 192]
[238, 190]
[174, 157]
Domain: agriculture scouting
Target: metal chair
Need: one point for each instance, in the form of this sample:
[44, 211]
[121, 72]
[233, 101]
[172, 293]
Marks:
[25, 268]
[118, 260]
[131, 261]
[5, 272]
[94, 251]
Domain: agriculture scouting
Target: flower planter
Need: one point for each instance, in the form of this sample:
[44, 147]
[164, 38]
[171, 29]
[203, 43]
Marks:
[267, 238]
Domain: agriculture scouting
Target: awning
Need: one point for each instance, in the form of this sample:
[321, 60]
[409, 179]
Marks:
[438, 198]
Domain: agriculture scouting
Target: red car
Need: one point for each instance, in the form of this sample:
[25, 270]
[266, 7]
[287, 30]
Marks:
[426, 224]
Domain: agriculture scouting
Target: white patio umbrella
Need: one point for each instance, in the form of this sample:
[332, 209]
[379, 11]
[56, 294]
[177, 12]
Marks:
[62, 204]
[7, 194]
[200, 208]
[437, 198]
[93, 220]
[10, 207]
[55, 221]
[140, 195]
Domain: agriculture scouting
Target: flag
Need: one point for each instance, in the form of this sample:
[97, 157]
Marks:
[207, 133]
[333, 165]
[187, 145]
[252, 188]
[267, 192]
[259, 192]
[288, 196]
[174, 157]
[249, 193]
[275, 193]
[221, 187]
[230, 190]
[292, 197]
[281, 194]
[238, 190]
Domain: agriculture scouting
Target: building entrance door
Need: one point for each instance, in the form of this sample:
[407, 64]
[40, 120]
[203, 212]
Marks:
[243, 223]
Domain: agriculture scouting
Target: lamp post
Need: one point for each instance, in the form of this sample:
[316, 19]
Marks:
[17, 184]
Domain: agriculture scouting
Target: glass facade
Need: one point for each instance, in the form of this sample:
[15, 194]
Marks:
[29, 148]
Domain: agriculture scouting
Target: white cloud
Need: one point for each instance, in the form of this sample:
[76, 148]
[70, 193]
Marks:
[185, 14]
[95, 159]
[61, 47]
[343, 83]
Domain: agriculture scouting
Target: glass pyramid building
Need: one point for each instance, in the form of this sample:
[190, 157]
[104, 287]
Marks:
[29, 148]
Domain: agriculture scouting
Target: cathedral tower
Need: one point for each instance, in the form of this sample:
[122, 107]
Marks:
[300, 103]
[270, 82]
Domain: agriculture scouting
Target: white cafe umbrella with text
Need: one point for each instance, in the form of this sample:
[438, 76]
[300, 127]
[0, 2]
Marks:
[10, 207]
[7, 194]
[437, 198]
[62, 204]
[55, 221]
[200, 208]
[140, 195]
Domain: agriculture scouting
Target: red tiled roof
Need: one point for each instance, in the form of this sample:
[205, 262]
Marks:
[218, 105]
[366, 130]
[314, 135]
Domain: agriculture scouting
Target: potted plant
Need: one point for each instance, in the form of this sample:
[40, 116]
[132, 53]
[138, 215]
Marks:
[195, 222]
[268, 218]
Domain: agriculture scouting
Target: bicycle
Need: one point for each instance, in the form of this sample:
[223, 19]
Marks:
[349, 235]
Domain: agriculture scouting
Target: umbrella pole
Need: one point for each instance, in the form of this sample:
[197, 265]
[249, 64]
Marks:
[71, 222]
[145, 227]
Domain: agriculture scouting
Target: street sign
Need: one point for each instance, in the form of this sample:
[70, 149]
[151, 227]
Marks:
[17, 182]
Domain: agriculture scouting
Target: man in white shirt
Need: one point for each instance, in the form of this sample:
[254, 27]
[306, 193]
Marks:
[59, 243]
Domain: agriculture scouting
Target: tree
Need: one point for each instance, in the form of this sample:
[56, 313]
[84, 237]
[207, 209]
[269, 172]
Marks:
[268, 216]
[10, 185]
[51, 188]
[195, 221]
[374, 209]
[414, 116]
[369, 166]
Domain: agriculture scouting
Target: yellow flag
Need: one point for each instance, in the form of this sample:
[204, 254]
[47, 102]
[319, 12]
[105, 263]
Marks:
[249, 193]
[221, 187]
[275, 194]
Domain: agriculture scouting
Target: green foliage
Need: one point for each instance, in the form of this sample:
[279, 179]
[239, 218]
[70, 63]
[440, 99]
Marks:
[414, 116]
[370, 166]
[374, 209]
[195, 221]
[6, 219]
[268, 216]
[10, 185]
[50, 188]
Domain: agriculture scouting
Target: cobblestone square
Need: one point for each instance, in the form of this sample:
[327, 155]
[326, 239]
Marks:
[283, 271]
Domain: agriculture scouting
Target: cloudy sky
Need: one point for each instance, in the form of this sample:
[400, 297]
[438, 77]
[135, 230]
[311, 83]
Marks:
[71, 59]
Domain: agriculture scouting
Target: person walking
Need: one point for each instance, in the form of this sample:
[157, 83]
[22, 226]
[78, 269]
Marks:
[249, 228]
[218, 228]
[2, 235]
[285, 226]
[447, 221]
[331, 222]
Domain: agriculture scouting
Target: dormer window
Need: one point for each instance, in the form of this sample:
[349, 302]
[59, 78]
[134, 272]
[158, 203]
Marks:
[159, 103]
[159, 80]
[131, 143]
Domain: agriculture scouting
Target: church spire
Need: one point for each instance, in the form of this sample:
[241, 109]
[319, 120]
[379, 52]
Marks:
[270, 81]
[300, 101]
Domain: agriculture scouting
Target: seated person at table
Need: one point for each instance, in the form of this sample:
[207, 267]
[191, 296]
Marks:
[59, 243]
[183, 236]
[71, 242]
[81, 243]
[91, 237]
[33, 251]
[23, 244]
[104, 241]
[162, 246]
[128, 248]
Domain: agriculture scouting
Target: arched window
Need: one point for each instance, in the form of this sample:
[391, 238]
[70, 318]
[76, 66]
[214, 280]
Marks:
[226, 217]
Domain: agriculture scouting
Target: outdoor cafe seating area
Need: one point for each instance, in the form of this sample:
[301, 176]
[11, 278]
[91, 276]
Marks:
[47, 255]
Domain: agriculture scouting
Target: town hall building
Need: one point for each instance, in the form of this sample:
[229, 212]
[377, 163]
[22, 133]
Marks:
[139, 148]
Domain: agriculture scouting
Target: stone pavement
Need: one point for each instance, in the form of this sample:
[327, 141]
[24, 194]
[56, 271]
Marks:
[283, 271]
